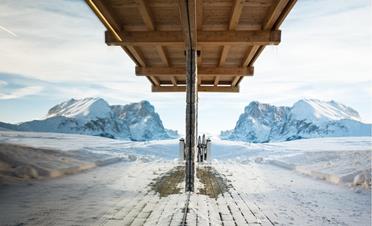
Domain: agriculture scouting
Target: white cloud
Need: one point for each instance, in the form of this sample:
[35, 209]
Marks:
[3, 83]
[21, 92]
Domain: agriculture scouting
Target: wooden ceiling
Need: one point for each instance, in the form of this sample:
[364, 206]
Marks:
[230, 35]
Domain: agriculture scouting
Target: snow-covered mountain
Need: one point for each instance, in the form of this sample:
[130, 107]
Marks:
[307, 118]
[94, 116]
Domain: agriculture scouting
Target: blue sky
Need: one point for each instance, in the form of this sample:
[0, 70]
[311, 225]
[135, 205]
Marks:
[51, 51]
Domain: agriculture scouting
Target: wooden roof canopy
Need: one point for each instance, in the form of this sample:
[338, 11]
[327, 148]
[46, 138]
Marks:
[230, 35]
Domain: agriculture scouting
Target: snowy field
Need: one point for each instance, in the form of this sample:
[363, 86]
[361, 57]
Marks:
[304, 182]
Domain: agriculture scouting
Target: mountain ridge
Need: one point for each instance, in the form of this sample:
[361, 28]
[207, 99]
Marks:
[307, 118]
[94, 116]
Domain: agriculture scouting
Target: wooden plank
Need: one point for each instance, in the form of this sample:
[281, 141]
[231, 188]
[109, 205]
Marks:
[205, 38]
[181, 71]
[222, 89]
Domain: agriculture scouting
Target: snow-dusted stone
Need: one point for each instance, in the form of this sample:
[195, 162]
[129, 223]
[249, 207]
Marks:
[359, 179]
[25, 171]
[258, 160]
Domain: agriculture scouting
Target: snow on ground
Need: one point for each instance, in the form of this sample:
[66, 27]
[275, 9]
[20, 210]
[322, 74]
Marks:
[336, 160]
[31, 155]
[292, 199]
[80, 199]
[73, 142]
[120, 192]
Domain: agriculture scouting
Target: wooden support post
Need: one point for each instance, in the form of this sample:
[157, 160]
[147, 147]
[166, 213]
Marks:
[191, 117]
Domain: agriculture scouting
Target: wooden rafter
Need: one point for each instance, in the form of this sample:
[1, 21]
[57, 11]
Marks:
[235, 15]
[204, 38]
[147, 19]
[273, 19]
[181, 71]
[233, 23]
[230, 89]
[284, 14]
[111, 23]
[146, 15]
[151, 34]
[154, 80]
[173, 80]
[199, 14]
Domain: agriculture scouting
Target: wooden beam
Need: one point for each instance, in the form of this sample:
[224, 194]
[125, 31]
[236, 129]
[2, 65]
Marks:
[235, 81]
[181, 71]
[273, 14]
[174, 81]
[107, 19]
[235, 14]
[147, 19]
[284, 14]
[187, 10]
[110, 22]
[234, 21]
[216, 80]
[146, 15]
[200, 56]
[154, 80]
[163, 55]
[138, 55]
[251, 51]
[205, 38]
[258, 52]
[207, 3]
[199, 14]
[221, 89]
[273, 20]
[224, 53]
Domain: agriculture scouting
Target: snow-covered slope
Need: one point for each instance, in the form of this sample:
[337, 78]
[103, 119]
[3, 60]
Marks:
[94, 116]
[307, 118]
[317, 111]
[83, 109]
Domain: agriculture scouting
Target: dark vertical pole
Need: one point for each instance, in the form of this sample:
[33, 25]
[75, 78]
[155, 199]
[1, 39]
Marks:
[191, 116]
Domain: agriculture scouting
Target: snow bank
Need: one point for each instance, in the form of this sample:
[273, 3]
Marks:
[30, 155]
[344, 160]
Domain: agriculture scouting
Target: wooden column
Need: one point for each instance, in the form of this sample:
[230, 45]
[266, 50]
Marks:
[191, 116]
